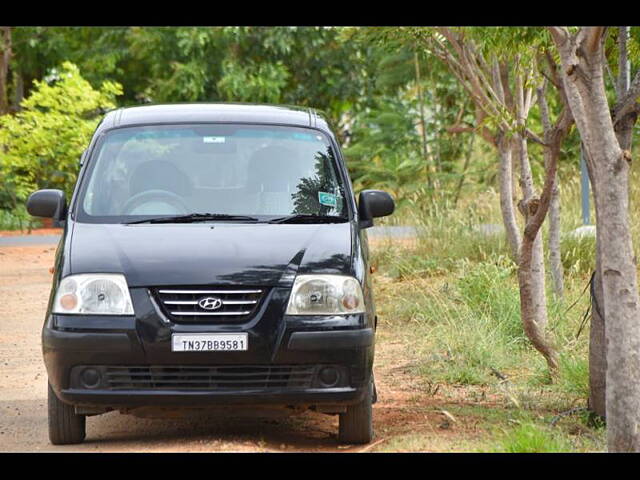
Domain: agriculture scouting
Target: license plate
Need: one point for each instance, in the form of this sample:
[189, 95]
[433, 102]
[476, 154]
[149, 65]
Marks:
[209, 342]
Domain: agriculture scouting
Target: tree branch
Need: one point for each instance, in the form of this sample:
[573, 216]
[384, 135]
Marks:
[553, 137]
[532, 136]
[559, 35]
[626, 103]
[593, 37]
[623, 62]
[553, 70]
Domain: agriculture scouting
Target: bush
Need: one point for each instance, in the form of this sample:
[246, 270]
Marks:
[17, 219]
[41, 144]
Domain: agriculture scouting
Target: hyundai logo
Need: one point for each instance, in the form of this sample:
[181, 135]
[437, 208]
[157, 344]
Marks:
[210, 303]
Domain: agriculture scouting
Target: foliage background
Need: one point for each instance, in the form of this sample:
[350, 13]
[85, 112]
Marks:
[368, 90]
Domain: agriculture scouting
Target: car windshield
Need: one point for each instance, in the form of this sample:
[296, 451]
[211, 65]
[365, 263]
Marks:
[227, 170]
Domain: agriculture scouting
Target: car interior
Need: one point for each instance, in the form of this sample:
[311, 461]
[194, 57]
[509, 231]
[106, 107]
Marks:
[172, 180]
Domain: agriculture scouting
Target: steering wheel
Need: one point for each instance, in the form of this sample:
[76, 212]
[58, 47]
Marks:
[150, 195]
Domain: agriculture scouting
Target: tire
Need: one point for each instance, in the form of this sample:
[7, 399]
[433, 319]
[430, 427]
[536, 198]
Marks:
[356, 424]
[65, 426]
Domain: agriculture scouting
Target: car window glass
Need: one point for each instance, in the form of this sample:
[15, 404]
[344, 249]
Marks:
[230, 169]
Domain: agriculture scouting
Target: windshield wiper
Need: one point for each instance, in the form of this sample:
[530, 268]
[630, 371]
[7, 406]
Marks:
[195, 217]
[309, 218]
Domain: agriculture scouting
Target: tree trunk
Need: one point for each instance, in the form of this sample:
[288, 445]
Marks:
[582, 56]
[621, 301]
[555, 259]
[533, 306]
[19, 93]
[597, 343]
[531, 272]
[597, 335]
[597, 348]
[506, 196]
[5, 57]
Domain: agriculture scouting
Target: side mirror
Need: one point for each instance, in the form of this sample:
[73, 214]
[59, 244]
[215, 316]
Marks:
[373, 203]
[47, 203]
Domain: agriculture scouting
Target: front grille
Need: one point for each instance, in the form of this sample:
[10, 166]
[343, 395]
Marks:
[182, 304]
[230, 377]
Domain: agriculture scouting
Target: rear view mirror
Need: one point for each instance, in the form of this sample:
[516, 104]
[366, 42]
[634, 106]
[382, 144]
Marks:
[372, 204]
[48, 204]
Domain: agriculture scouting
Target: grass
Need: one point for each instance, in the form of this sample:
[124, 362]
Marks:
[532, 438]
[464, 328]
[451, 296]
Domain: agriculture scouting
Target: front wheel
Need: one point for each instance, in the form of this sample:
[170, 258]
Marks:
[65, 426]
[356, 424]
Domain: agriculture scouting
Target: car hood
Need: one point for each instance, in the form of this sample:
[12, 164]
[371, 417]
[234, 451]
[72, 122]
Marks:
[210, 254]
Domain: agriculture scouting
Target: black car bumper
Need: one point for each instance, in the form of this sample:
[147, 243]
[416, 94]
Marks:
[179, 398]
[132, 371]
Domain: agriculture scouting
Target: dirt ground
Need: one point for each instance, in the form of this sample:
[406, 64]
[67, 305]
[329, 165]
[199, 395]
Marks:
[35, 231]
[24, 288]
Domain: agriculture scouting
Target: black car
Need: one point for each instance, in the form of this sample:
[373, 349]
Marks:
[212, 255]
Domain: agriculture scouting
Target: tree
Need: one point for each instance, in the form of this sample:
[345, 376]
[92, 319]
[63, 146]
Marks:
[99, 53]
[503, 107]
[624, 129]
[399, 139]
[5, 57]
[582, 56]
[43, 142]
[256, 64]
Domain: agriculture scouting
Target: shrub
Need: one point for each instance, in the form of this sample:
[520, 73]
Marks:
[17, 219]
[41, 144]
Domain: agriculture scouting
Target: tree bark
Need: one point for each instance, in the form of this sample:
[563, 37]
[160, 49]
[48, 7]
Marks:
[531, 280]
[5, 57]
[623, 128]
[597, 347]
[554, 135]
[531, 271]
[555, 257]
[581, 55]
[19, 92]
[506, 196]
[532, 298]
[597, 340]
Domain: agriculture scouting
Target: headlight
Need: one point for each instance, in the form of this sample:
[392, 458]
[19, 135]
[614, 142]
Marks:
[325, 295]
[93, 294]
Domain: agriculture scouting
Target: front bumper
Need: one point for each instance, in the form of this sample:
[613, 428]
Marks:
[177, 398]
[75, 341]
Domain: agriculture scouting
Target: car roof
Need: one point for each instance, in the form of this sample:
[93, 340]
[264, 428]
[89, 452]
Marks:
[214, 112]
